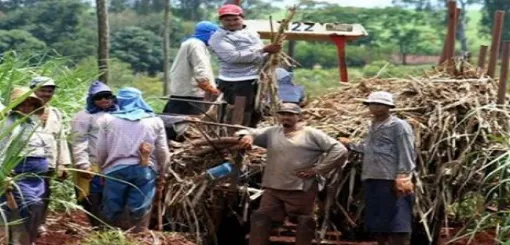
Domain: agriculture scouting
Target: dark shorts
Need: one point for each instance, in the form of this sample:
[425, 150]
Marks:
[280, 203]
[384, 212]
[246, 89]
[184, 107]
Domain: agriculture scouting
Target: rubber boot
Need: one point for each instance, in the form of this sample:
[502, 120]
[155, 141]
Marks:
[142, 224]
[260, 229]
[305, 232]
[35, 219]
[400, 239]
[93, 206]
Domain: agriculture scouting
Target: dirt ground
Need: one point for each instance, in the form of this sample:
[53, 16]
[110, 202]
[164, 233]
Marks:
[67, 229]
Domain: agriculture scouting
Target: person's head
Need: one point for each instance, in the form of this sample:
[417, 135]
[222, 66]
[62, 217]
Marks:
[231, 17]
[131, 104]
[379, 103]
[100, 98]
[289, 115]
[204, 30]
[31, 104]
[45, 88]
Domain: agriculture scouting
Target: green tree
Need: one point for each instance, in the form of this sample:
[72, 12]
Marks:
[406, 29]
[64, 25]
[490, 8]
[20, 41]
[152, 22]
[138, 47]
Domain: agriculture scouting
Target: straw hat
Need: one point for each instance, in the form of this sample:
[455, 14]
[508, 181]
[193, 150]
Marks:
[19, 92]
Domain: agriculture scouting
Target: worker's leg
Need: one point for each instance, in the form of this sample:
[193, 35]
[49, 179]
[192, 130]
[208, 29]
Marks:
[94, 199]
[48, 176]
[114, 195]
[400, 238]
[248, 89]
[140, 198]
[299, 206]
[270, 211]
[28, 195]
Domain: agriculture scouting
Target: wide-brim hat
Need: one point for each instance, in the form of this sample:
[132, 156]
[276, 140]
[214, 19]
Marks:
[380, 97]
[19, 92]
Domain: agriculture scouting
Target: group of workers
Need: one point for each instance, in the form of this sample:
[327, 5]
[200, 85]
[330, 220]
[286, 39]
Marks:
[118, 146]
[240, 53]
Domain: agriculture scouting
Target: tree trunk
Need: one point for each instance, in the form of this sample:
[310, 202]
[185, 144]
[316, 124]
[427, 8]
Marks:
[166, 50]
[102, 32]
[461, 28]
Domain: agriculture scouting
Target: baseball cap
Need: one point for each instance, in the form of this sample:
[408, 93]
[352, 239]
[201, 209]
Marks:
[42, 82]
[290, 108]
[230, 9]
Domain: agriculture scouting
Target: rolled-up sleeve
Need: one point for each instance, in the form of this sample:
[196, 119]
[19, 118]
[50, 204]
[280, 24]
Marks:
[335, 152]
[405, 149]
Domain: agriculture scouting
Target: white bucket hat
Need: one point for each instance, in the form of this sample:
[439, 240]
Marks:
[380, 97]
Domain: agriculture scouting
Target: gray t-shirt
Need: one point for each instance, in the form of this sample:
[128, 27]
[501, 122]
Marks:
[388, 150]
[286, 155]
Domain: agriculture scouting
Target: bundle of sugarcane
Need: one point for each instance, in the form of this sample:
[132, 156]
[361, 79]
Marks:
[268, 86]
[192, 199]
[453, 117]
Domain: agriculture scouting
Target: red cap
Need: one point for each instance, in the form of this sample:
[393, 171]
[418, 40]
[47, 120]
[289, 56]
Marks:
[230, 9]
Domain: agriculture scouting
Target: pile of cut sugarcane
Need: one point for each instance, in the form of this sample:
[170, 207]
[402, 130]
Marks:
[192, 201]
[455, 121]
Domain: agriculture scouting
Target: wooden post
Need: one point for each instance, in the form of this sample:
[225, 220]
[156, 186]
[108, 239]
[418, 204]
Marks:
[103, 39]
[497, 31]
[290, 52]
[452, 27]
[504, 73]
[482, 56]
[238, 113]
[166, 49]
[342, 61]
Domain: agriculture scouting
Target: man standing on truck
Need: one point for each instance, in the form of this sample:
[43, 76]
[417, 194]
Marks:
[388, 164]
[191, 73]
[241, 54]
[290, 177]
[52, 123]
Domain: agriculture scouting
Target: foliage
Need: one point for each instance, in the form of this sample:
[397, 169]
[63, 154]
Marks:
[19, 40]
[67, 32]
[138, 47]
[152, 22]
[490, 8]
[384, 69]
[108, 237]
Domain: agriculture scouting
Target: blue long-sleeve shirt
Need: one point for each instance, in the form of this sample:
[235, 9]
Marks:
[388, 150]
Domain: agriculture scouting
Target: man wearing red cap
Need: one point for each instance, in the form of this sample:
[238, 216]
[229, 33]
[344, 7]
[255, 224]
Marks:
[241, 54]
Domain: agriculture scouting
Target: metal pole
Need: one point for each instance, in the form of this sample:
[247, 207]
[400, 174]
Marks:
[497, 31]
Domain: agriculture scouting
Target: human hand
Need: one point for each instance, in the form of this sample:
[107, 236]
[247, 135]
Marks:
[246, 142]
[145, 150]
[272, 48]
[404, 185]
[307, 173]
[344, 140]
[87, 173]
